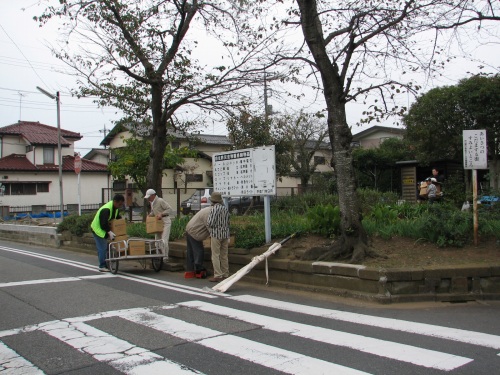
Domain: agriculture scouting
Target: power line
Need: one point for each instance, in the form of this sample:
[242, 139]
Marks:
[12, 40]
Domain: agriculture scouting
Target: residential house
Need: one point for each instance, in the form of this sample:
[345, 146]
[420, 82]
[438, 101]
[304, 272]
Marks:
[375, 135]
[29, 169]
[197, 172]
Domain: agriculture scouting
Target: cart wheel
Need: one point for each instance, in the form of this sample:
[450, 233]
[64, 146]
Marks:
[113, 266]
[157, 262]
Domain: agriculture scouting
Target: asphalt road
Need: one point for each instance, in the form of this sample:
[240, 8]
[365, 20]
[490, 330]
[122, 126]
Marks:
[59, 315]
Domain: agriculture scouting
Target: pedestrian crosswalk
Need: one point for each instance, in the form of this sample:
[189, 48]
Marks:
[182, 321]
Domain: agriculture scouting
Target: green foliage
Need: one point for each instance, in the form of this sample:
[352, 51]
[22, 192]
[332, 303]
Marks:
[382, 213]
[247, 130]
[133, 159]
[300, 204]
[76, 225]
[375, 167]
[444, 112]
[324, 220]
[138, 230]
[446, 226]
[369, 198]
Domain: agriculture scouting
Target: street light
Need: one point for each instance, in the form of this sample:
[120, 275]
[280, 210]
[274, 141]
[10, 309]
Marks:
[56, 97]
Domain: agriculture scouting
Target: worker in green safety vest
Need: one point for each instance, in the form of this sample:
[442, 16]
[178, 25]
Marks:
[101, 228]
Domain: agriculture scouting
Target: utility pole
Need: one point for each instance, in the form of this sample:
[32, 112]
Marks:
[58, 101]
[20, 104]
[104, 131]
[268, 109]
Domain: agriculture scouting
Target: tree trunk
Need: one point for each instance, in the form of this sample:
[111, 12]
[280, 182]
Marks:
[158, 141]
[353, 243]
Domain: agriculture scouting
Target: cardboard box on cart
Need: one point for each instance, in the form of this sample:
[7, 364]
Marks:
[136, 247]
[153, 225]
[118, 227]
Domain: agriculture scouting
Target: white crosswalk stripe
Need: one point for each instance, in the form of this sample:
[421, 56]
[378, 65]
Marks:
[13, 363]
[129, 358]
[392, 350]
[468, 337]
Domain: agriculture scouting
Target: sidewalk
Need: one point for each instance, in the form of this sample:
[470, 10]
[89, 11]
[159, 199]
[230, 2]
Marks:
[455, 284]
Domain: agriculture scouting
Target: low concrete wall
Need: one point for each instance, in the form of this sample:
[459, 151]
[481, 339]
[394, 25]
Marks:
[31, 234]
[458, 283]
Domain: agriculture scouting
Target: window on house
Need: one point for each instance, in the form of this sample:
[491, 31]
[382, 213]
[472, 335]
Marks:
[119, 185]
[42, 187]
[176, 144]
[29, 148]
[194, 178]
[319, 160]
[22, 189]
[355, 144]
[382, 139]
[48, 155]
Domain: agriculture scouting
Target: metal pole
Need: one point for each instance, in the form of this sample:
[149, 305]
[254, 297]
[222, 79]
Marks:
[60, 154]
[58, 145]
[267, 217]
[474, 205]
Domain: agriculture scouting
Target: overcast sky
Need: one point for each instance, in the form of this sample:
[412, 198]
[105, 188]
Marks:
[26, 62]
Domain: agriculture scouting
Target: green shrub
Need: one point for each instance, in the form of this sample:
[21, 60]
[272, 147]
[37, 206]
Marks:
[76, 225]
[447, 226]
[324, 220]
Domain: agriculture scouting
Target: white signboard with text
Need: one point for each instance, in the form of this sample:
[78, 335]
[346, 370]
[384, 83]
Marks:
[248, 172]
[475, 151]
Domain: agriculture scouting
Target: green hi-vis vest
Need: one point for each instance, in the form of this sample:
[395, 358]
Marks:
[96, 223]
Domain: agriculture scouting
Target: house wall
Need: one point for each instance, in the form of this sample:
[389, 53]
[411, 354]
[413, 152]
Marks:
[17, 145]
[12, 145]
[375, 139]
[90, 189]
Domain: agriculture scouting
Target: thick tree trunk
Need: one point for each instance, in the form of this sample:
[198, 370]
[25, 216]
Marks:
[158, 141]
[354, 241]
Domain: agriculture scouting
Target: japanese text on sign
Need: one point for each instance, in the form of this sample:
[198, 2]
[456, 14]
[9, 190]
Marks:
[246, 172]
[475, 151]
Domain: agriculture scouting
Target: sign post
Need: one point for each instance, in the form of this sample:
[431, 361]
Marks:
[78, 169]
[475, 157]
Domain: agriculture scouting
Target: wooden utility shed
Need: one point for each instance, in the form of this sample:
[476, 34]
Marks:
[412, 173]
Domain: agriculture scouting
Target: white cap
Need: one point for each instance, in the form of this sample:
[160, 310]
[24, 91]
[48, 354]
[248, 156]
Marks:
[149, 193]
[433, 179]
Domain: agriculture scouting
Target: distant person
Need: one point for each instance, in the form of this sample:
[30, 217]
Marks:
[161, 210]
[431, 190]
[101, 228]
[196, 233]
[218, 226]
[439, 177]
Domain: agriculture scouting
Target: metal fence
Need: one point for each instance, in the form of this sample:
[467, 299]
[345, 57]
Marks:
[134, 202]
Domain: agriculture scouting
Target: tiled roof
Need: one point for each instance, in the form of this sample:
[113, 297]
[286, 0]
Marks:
[39, 134]
[19, 163]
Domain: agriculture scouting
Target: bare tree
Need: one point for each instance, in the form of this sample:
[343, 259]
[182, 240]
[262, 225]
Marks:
[357, 48]
[140, 57]
[305, 134]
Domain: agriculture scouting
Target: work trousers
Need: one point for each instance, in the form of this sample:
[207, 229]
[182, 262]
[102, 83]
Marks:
[220, 260]
[195, 254]
[165, 235]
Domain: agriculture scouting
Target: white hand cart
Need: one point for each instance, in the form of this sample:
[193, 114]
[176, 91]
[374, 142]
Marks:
[139, 249]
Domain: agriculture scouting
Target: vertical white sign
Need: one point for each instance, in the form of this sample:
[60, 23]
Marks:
[475, 150]
[247, 172]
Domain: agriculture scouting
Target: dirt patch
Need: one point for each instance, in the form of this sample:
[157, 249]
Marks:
[407, 252]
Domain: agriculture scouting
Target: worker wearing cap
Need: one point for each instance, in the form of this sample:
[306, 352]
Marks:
[161, 210]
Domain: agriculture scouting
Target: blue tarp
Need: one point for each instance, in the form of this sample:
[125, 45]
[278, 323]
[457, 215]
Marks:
[35, 216]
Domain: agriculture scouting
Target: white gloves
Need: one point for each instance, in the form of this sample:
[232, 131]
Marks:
[111, 235]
